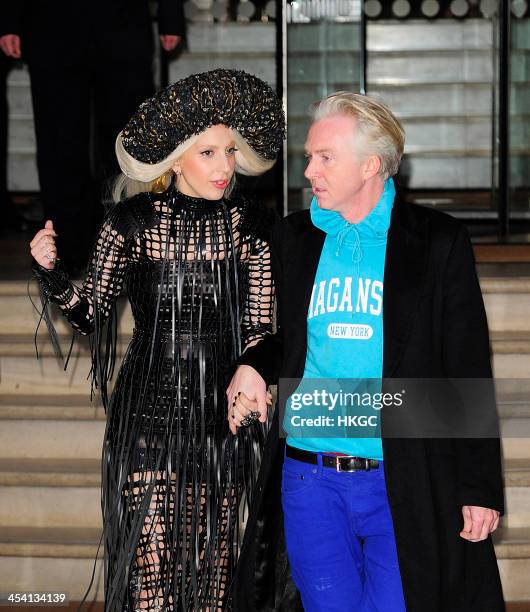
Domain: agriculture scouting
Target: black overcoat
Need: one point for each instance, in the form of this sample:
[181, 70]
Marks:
[434, 326]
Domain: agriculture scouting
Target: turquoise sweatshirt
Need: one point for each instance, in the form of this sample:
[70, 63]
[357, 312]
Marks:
[345, 323]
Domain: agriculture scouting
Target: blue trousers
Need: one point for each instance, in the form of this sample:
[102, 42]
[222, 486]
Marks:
[340, 539]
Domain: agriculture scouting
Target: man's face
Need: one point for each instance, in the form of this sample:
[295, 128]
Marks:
[333, 166]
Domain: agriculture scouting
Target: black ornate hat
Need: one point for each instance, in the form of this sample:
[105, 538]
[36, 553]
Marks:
[230, 97]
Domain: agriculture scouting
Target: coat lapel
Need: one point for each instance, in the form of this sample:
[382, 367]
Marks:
[304, 260]
[310, 244]
[405, 275]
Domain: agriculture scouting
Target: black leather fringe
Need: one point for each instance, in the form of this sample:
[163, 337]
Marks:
[175, 482]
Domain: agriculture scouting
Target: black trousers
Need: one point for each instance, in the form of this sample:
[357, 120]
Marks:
[75, 146]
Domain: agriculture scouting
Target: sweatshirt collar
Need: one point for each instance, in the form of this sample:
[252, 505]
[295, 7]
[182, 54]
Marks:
[370, 230]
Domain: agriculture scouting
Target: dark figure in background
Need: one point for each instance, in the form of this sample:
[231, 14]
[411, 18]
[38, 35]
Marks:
[7, 211]
[97, 53]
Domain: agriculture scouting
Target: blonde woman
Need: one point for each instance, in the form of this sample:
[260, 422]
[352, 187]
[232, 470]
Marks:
[196, 265]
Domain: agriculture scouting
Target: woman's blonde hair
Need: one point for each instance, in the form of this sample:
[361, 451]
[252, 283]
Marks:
[378, 131]
[138, 177]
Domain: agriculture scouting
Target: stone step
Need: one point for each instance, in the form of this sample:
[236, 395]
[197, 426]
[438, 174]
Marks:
[27, 375]
[513, 403]
[512, 543]
[448, 65]
[23, 373]
[45, 506]
[517, 472]
[441, 66]
[507, 301]
[52, 542]
[61, 560]
[422, 35]
[79, 407]
[512, 546]
[20, 312]
[74, 472]
[73, 428]
[51, 491]
[43, 472]
[511, 354]
[69, 407]
[27, 439]
[51, 559]
[19, 340]
[515, 448]
[517, 504]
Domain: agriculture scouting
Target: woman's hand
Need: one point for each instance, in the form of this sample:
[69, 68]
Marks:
[246, 393]
[43, 247]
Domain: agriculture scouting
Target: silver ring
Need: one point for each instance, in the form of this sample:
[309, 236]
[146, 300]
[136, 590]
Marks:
[250, 418]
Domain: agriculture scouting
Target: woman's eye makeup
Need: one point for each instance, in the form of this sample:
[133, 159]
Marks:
[210, 152]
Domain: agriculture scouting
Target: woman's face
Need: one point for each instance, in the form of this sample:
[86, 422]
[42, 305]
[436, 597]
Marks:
[205, 169]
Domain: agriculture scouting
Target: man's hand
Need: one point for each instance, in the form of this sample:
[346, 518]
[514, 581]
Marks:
[10, 45]
[478, 523]
[169, 41]
[247, 392]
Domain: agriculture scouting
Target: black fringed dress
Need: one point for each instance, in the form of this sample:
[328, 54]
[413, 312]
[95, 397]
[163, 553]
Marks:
[175, 481]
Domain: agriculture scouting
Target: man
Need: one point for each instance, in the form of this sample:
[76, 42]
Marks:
[389, 523]
[94, 55]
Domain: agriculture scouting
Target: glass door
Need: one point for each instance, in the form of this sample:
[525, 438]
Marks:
[323, 47]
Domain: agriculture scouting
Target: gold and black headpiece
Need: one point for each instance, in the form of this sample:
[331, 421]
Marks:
[234, 98]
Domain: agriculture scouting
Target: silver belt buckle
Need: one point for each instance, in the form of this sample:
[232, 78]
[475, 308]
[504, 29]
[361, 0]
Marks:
[337, 463]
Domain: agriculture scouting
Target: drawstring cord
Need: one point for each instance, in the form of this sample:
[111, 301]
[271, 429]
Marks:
[357, 252]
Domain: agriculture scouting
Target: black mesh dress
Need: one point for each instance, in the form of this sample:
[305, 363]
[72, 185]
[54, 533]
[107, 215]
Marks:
[175, 480]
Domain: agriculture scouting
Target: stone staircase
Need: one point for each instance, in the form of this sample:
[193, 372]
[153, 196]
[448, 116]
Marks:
[50, 444]
[507, 299]
[50, 447]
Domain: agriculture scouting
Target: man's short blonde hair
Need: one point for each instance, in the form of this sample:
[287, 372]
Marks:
[378, 131]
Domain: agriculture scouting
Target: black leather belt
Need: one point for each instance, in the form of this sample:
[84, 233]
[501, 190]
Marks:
[342, 463]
